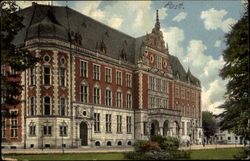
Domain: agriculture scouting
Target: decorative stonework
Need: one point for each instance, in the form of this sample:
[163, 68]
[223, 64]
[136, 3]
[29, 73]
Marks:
[55, 83]
[38, 84]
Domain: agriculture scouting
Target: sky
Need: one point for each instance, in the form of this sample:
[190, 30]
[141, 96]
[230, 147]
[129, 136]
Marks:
[194, 31]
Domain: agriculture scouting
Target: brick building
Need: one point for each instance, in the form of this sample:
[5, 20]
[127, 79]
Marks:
[96, 86]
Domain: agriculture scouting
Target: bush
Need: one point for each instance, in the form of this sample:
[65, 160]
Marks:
[138, 144]
[150, 155]
[150, 145]
[243, 155]
[166, 143]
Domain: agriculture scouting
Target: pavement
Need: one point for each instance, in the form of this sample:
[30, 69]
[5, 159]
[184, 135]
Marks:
[105, 150]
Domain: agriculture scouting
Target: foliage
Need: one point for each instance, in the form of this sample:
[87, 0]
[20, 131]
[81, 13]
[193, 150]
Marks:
[19, 59]
[243, 155]
[208, 124]
[235, 70]
[158, 148]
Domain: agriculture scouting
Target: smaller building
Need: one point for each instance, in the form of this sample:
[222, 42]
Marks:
[227, 137]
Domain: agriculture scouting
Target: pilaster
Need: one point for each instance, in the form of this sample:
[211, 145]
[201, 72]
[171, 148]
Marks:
[55, 82]
[38, 84]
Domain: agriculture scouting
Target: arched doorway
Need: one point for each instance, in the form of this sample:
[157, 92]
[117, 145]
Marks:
[84, 134]
[165, 128]
[176, 128]
[154, 127]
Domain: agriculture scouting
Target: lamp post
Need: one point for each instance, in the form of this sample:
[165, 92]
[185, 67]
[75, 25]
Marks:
[216, 142]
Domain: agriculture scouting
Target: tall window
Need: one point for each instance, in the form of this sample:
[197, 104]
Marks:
[164, 86]
[151, 83]
[84, 93]
[47, 130]
[63, 130]
[32, 76]
[46, 103]
[129, 100]
[108, 122]
[158, 62]
[108, 97]
[164, 103]
[188, 95]
[158, 84]
[176, 92]
[119, 99]
[32, 129]
[83, 69]
[46, 75]
[151, 102]
[129, 124]
[97, 122]
[145, 128]
[62, 106]
[182, 93]
[119, 123]
[158, 102]
[13, 121]
[129, 80]
[32, 105]
[118, 78]
[96, 75]
[108, 73]
[62, 77]
[3, 127]
[96, 95]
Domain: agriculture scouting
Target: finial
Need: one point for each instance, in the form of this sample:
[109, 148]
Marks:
[157, 16]
[157, 24]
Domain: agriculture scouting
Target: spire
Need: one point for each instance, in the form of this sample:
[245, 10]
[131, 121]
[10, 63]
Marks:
[157, 23]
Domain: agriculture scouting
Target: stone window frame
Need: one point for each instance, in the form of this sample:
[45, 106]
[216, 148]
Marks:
[60, 106]
[119, 77]
[32, 76]
[119, 124]
[14, 123]
[129, 103]
[86, 94]
[119, 102]
[177, 92]
[49, 75]
[50, 105]
[63, 129]
[182, 93]
[97, 122]
[32, 105]
[165, 102]
[129, 124]
[108, 119]
[187, 94]
[95, 96]
[129, 80]
[108, 74]
[108, 100]
[164, 86]
[62, 76]
[96, 71]
[32, 129]
[83, 68]
[151, 101]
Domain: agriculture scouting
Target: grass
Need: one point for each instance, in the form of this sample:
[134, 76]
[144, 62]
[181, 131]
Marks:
[215, 154]
[208, 154]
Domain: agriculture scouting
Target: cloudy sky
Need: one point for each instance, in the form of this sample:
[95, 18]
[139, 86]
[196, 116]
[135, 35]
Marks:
[194, 30]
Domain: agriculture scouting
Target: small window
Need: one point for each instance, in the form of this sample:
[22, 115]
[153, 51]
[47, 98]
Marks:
[97, 143]
[129, 143]
[109, 143]
[84, 113]
[46, 58]
[119, 143]
[47, 145]
[31, 145]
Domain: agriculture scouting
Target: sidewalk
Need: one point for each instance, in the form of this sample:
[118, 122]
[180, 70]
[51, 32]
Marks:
[104, 150]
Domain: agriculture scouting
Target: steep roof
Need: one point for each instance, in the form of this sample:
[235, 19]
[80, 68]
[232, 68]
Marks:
[64, 23]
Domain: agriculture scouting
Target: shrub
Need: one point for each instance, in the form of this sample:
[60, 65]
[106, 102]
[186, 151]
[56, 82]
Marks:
[138, 144]
[150, 155]
[166, 143]
[150, 145]
[243, 155]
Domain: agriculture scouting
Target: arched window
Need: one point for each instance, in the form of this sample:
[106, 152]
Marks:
[97, 94]
[97, 143]
[129, 143]
[119, 143]
[109, 143]
[32, 105]
[119, 98]
[32, 129]
[129, 100]
[46, 104]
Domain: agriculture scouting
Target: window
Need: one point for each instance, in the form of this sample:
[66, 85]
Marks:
[164, 103]
[3, 127]
[188, 95]
[32, 76]
[97, 122]
[108, 74]
[193, 96]
[129, 100]
[63, 130]
[13, 121]
[46, 75]
[32, 129]
[164, 86]
[129, 124]
[62, 77]
[32, 106]
[176, 92]
[84, 93]
[158, 62]
[96, 95]
[182, 93]
[83, 69]
[119, 99]
[62, 106]
[151, 83]
[129, 80]
[108, 122]
[151, 102]
[47, 130]
[96, 75]
[158, 102]
[119, 123]
[158, 84]
[46, 103]
[108, 97]
[229, 138]
[145, 128]
[119, 78]
[12, 71]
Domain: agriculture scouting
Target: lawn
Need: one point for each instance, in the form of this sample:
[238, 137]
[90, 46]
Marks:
[209, 154]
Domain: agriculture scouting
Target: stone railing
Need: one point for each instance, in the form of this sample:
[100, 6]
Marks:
[156, 111]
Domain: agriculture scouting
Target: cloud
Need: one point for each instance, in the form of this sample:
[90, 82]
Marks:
[213, 19]
[181, 16]
[162, 13]
[217, 43]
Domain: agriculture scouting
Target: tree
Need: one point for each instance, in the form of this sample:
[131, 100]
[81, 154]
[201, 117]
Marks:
[236, 55]
[17, 58]
[208, 124]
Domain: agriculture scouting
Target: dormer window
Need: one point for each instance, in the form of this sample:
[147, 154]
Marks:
[158, 62]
